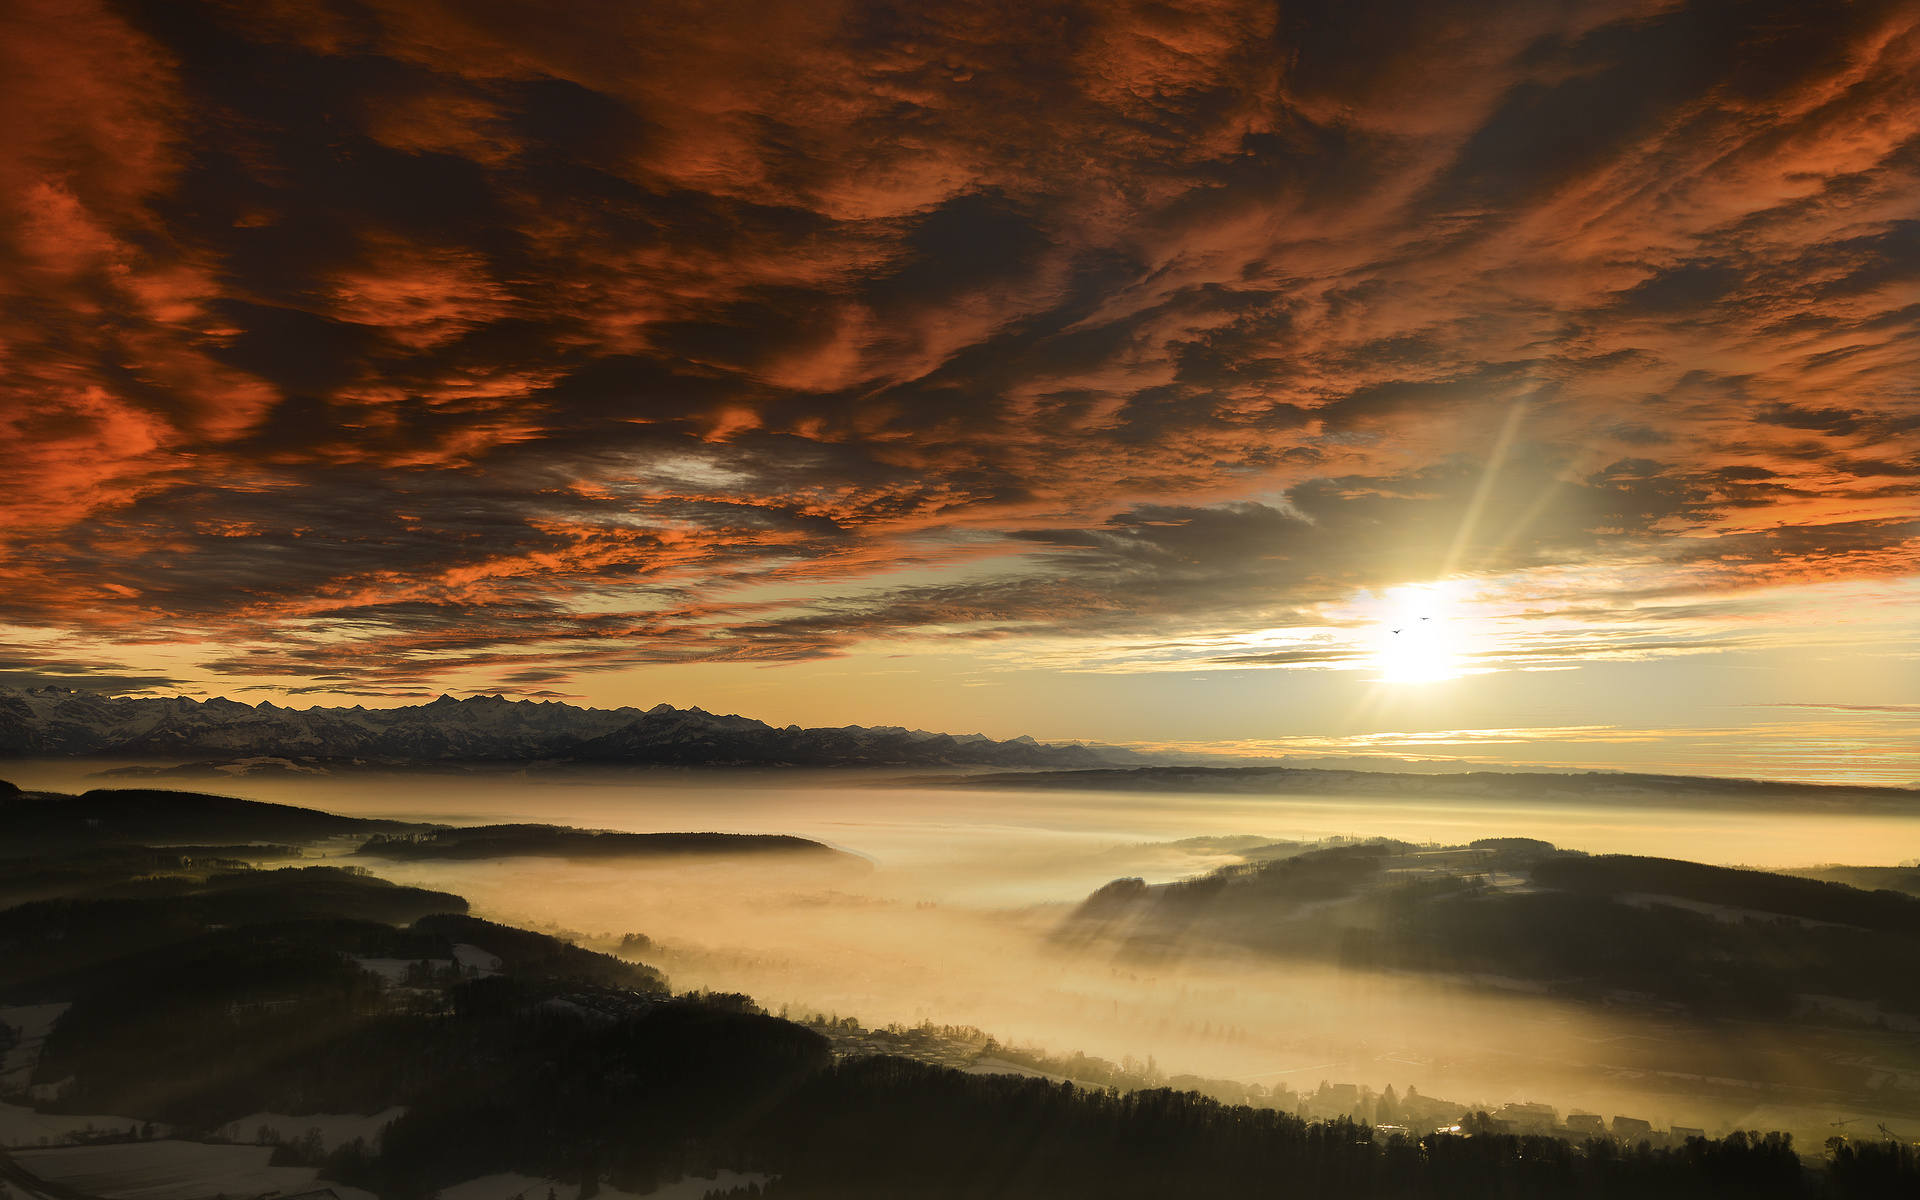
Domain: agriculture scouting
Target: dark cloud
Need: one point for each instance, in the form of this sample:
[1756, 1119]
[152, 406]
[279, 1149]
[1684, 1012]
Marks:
[369, 339]
[30, 669]
[113, 685]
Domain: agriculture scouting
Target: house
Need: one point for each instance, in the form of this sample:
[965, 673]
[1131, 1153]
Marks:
[1527, 1118]
[1632, 1129]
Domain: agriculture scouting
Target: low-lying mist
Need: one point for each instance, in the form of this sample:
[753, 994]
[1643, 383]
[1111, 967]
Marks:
[952, 922]
[842, 944]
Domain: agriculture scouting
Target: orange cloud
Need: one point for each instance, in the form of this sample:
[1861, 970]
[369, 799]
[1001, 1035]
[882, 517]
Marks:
[466, 329]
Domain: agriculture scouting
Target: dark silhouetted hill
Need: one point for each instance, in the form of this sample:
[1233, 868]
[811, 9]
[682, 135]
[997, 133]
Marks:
[111, 934]
[559, 841]
[1720, 941]
[1760, 891]
[1905, 880]
[1604, 787]
[37, 821]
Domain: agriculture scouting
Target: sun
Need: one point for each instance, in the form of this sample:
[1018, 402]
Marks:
[1416, 642]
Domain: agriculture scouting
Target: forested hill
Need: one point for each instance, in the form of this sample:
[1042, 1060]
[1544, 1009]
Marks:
[41, 821]
[559, 841]
[1718, 942]
[111, 822]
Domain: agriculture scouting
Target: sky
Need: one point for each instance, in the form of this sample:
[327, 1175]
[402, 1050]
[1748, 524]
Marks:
[1512, 381]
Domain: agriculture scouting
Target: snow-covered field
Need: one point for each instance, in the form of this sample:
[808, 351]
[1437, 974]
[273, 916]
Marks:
[336, 1129]
[21, 1126]
[168, 1170]
[527, 1187]
[174, 1170]
[473, 958]
[985, 1065]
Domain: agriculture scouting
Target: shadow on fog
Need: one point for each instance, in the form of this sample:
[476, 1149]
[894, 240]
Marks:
[955, 923]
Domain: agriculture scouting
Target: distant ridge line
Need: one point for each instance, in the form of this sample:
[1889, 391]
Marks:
[1613, 785]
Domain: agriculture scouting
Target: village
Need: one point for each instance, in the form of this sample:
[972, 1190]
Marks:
[1386, 1112]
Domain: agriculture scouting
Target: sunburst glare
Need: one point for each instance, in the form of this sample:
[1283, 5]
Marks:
[1417, 640]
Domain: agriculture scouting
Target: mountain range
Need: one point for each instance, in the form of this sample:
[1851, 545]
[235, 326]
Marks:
[55, 722]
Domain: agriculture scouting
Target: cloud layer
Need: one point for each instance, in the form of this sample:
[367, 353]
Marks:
[361, 342]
